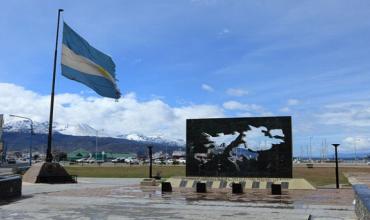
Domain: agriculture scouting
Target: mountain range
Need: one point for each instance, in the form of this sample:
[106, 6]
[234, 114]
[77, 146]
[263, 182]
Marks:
[68, 137]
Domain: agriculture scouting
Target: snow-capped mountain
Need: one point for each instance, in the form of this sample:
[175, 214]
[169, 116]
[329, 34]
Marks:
[153, 139]
[82, 130]
[76, 130]
[43, 128]
[24, 126]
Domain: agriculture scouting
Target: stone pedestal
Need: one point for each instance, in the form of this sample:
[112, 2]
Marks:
[10, 187]
[201, 187]
[237, 188]
[47, 173]
[166, 187]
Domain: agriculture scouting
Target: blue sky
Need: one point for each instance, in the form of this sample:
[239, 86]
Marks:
[308, 59]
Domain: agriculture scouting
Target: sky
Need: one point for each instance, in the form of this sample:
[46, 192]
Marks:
[198, 59]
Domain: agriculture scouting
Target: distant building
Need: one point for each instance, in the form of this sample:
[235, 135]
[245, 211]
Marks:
[159, 155]
[178, 155]
[78, 154]
[110, 156]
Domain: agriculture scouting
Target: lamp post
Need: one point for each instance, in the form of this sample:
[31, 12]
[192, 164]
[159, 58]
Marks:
[310, 148]
[150, 161]
[30, 120]
[336, 165]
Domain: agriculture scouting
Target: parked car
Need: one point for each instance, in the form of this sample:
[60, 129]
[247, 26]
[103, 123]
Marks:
[169, 161]
[11, 161]
[119, 160]
[132, 160]
[90, 160]
[81, 160]
[182, 161]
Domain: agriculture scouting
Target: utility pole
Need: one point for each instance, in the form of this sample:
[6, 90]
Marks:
[96, 141]
[96, 146]
[31, 127]
[356, 139]
[166, 154]
[326, 150]
[307, 152]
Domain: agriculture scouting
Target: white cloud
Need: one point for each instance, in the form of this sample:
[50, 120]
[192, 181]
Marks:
[356, 143]
[246, 110]
[293, 102]
[224, 32]
[234, 105]
[347, 114]
[285, 109]
[236, 92]
[128, 115]
[290, 103]
[207, 88]
[245, 114]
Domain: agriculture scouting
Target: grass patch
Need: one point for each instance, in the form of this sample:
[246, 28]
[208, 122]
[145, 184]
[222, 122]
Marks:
[321, 176]
[125, 171]
[318, 176]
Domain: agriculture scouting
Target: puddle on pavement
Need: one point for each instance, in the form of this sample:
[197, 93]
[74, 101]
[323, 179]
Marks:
[191, 196]
[296, 198]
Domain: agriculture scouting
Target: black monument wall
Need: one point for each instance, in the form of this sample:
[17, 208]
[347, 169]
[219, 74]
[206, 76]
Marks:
[239, 147]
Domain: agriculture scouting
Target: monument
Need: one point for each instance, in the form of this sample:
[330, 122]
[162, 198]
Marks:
[2, 150]
[242, 153]
[239, 147]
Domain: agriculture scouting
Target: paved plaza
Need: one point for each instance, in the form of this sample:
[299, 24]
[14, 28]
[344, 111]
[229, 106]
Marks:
[114, 198]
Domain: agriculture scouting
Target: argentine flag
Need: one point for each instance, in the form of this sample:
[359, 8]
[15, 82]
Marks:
[85, 64]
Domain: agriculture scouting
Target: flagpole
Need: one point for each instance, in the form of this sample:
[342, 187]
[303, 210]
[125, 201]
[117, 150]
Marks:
[49, 156]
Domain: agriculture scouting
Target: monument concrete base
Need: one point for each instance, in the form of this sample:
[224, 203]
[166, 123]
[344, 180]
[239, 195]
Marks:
[247, 183]
[150, 182]
[46, 172]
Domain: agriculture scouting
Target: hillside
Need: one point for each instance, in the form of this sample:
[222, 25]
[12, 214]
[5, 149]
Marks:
[18, 141]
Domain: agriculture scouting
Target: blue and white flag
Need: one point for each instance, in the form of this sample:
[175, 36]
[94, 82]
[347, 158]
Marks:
[85, 64]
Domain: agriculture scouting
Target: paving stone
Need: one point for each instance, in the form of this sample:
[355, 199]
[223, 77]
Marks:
[99, 198]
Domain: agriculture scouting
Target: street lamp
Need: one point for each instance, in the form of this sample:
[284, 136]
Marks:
[150, 148]
[336, 165]
[30, 120]
[310, 148]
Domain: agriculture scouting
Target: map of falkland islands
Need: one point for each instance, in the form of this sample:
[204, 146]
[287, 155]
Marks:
[253, 141]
